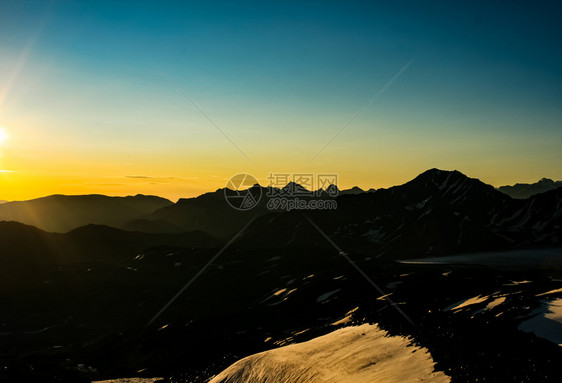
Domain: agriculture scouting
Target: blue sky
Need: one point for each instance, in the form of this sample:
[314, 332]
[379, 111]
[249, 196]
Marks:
[483, 94]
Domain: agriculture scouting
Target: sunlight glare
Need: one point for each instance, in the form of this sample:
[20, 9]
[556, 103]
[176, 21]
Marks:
[3, 135]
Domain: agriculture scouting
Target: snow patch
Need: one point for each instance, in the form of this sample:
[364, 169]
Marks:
[361, 354]
[495, 303]
[467, 302]
[555, 291]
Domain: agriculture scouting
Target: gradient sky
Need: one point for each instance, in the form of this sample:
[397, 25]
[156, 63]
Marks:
[85, 111]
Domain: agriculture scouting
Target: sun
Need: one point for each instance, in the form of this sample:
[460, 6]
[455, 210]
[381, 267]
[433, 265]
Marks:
[3, 135]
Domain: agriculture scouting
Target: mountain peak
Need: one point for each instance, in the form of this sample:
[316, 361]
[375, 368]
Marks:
[451, 185]
[292, 186]
[439, 172]
[332, 190]
[440, 177]
[353, 190]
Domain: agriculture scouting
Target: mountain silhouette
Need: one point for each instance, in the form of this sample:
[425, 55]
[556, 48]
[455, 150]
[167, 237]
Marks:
[60, 213]
[353, 190]
[77, 303]
[523, 191]
[209, 212]
[437, 213]
[212, 213]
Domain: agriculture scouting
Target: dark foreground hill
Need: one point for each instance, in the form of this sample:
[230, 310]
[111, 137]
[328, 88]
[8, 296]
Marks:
[59, 213]
[27, 253]
[84, 319]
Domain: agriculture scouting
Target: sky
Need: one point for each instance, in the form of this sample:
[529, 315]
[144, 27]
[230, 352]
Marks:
[174, 98]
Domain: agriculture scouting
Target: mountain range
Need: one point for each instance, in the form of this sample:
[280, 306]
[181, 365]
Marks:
[76, 305]
[60, 213]
[437, 213]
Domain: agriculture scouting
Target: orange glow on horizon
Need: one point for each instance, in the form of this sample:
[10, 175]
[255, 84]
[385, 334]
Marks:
[35, 163]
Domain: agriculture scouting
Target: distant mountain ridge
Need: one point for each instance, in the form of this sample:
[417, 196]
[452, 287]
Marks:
[60, 213]
[523, 190]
